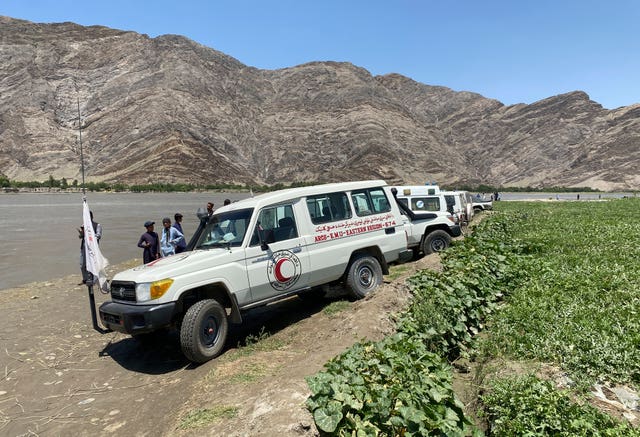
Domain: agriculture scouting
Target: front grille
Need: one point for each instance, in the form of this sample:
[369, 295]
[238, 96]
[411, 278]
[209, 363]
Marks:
[123, 290]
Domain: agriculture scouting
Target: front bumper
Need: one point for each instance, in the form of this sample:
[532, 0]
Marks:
[136, 319]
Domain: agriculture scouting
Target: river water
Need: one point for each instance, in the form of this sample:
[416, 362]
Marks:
[39, 233]
[40, 240]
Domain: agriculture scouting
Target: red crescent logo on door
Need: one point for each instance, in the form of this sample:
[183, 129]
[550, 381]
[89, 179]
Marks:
[277, 271]
[283, 269]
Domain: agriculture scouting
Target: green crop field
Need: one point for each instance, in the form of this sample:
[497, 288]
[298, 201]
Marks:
[547, 285]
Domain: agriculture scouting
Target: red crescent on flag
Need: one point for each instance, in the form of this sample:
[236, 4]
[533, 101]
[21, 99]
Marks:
[277, 272]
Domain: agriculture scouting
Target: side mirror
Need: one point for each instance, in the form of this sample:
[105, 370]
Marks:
[202, 213]
[262, 238]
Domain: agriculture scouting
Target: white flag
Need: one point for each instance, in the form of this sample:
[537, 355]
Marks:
[96, 263]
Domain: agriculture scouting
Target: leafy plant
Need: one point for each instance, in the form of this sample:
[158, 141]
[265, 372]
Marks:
[579, 306]
[568, 274]
[526, 405]
[390, 388]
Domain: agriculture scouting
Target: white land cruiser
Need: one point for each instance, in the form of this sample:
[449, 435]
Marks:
[259, 250]
[430, 226]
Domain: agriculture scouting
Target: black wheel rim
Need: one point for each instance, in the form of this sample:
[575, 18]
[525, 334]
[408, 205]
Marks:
[365, 277]
[438, 245]
[210, 331]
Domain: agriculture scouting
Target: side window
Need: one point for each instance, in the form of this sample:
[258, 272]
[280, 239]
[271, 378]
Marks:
[370, 201]
[404, 201]
[275, 223]
[451, 203]
[425, 204]
[331, 207]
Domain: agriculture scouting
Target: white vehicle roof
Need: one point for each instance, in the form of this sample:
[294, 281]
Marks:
[417, 190]
[294, 193]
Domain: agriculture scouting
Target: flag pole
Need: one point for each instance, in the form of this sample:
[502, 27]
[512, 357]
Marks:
[84, 194]
[92, 298]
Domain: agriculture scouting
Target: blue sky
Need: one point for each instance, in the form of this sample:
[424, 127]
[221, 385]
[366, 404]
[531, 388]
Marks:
[513, 51]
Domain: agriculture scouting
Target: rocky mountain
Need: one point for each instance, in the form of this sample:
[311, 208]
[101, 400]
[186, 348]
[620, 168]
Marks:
[167, 109]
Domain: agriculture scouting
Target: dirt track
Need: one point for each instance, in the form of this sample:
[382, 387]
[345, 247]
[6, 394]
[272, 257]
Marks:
[60, 377]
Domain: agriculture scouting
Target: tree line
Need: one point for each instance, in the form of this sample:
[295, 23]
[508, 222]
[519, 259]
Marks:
[64, 184]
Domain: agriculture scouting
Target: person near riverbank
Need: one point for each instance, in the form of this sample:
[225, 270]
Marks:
[182, 244]
[150, 243]
[170, 238]
[97, 229]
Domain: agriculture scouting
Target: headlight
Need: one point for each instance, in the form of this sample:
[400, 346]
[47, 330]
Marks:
[152, 290]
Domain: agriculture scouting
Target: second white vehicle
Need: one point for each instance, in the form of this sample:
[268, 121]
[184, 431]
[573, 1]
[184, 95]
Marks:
[430, 223]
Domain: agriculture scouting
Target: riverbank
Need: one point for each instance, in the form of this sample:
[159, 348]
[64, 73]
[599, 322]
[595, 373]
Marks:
[63, 378]
[40, 237]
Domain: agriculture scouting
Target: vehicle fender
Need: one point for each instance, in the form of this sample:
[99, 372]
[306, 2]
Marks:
[217, 290]
[373, 251]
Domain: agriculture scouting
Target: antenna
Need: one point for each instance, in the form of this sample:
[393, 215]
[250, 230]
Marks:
[84, 194]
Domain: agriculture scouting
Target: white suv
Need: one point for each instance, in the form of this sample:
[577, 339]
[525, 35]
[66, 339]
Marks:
[431, 226]
[259, 250]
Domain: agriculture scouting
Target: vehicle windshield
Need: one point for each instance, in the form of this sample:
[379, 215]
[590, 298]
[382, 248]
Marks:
[225, 230]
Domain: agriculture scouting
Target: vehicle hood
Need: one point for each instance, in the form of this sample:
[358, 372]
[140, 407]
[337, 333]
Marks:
[176, 265]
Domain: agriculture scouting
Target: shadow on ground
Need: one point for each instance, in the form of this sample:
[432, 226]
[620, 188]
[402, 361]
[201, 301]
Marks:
[159, 353]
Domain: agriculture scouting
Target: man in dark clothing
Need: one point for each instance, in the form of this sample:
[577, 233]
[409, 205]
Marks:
[182, 244]
[150, 242]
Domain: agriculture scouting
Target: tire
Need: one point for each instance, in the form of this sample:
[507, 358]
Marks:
[204, 331]
[363, 276]
[435, 241]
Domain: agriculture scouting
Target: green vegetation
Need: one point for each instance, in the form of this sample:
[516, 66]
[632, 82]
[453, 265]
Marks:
[51, 182]
[579, 307]
[395, 271]
[555, 282]
[492, 189]
[390, 388]
[403, 384]
[526, 405]
[336, 307]
[263, 341]
[249, 373]
[206, 416]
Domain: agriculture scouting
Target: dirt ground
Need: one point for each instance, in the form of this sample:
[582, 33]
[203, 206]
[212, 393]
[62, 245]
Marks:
[60, 377]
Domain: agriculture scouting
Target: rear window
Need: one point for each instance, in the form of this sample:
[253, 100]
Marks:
[370, 201]
[425, 204]
[330, 207]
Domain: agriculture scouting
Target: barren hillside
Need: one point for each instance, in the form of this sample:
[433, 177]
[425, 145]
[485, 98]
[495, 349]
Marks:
[167, 109]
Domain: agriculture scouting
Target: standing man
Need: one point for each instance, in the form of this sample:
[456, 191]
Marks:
[170, 238]
[182, 244]
[150, 243]
[209, 209]
[97, 229]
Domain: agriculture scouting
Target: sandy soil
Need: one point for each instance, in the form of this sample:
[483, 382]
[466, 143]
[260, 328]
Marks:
[60, 377]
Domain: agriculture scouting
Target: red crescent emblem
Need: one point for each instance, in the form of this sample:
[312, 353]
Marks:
[277, 271]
